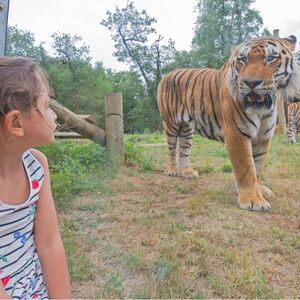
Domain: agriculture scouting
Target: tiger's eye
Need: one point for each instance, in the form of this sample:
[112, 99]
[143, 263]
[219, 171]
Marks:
[242, 59]
[272, 58]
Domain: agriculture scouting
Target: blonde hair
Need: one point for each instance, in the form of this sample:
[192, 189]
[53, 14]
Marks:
[22, 81]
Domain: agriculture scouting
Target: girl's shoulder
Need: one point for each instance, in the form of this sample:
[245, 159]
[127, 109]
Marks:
[41, 157]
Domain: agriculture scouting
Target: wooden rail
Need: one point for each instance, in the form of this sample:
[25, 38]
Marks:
[83, 126]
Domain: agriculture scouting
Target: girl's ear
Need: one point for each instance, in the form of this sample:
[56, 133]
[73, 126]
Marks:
[13, 123]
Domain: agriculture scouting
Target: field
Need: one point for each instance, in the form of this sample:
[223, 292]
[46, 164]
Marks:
[135, 233]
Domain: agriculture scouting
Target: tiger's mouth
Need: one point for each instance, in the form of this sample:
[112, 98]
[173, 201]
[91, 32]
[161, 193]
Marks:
[258, 102]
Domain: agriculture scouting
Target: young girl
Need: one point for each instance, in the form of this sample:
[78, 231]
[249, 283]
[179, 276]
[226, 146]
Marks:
[32, 257]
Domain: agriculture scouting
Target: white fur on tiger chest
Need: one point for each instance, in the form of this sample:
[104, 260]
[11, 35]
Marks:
[265, 127]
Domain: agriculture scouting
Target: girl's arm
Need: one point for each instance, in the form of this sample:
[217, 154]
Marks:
[3, 294]
[48, 240]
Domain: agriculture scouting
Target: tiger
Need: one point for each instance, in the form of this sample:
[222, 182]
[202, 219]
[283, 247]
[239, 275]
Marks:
[237, 105]
[293, 122]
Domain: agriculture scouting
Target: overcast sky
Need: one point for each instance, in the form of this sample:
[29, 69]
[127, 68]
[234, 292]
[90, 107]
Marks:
[175, 20]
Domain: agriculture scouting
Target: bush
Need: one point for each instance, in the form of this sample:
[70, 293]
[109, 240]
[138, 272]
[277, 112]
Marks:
[76, 168]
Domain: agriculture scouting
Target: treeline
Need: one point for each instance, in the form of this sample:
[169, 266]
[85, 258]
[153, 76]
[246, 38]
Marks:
[82, 86]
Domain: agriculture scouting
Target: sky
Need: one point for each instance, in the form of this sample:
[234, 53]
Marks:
[175, 20]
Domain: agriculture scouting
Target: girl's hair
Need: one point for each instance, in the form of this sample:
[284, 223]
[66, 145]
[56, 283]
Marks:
[22, 81]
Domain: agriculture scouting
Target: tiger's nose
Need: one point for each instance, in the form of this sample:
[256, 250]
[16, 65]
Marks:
[252, 83]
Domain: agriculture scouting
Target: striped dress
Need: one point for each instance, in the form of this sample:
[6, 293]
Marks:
[20, 268]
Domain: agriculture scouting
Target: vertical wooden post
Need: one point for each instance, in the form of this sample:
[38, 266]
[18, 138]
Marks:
[4, 6]
[280, 102]
[114, 127]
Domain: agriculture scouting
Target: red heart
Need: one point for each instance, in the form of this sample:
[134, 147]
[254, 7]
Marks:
[5, 280]
[34, 296]
[35, 184]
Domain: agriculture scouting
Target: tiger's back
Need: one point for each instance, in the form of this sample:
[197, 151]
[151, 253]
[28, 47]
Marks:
[192, 96]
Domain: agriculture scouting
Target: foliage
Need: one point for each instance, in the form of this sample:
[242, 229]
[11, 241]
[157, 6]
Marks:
[131, 31]
[73, 168]
[131, 87]
[134, 156]
[22, 43]
[220, 25]
[67, 48]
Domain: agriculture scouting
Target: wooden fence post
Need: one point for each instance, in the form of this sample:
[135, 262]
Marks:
[280, 102]
[4, 7]
[114, 127]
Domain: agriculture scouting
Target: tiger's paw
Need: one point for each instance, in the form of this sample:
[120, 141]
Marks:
[289, 141]
[171, 171]
[188, 173]
[254, 203]
[266, 192]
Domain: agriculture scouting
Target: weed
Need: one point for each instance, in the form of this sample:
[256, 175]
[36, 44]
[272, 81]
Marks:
[182, 189]
[226, 167]
[205, 169]
[80, 263]
[113, 285]
[135, 156]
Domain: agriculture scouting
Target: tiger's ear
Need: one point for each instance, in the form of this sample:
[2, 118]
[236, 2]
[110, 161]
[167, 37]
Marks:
[290, 42]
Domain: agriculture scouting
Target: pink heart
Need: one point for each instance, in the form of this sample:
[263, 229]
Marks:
[35, 184]
[5, 280]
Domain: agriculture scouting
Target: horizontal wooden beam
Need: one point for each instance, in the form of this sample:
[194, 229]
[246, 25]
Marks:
[78, 124]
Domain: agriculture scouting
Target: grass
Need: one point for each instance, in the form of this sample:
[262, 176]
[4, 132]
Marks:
[135, 233]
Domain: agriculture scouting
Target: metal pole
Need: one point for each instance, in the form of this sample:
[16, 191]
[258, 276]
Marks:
[4, 7]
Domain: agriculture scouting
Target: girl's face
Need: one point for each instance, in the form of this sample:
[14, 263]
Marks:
[39, 125]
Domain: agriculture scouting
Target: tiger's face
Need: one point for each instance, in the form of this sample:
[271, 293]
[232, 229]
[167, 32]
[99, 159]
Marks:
[259, 68]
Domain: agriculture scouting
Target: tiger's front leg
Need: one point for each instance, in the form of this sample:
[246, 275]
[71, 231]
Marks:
[240, 152]
[172, 137]
[186, 131]
[259, 153]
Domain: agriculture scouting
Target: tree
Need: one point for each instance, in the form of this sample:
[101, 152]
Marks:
[70, 47]
[220, 25]
[72, 74]
[22, 43]
[130, 30]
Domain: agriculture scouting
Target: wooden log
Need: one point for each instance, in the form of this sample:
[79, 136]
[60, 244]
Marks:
[68, 135]
[78, 124]
[114, 127]
[89, 118]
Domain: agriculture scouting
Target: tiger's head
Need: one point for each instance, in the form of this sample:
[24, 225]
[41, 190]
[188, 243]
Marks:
[262, 68]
